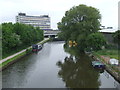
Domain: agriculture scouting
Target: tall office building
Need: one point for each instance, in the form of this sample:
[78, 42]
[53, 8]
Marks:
[42, 21]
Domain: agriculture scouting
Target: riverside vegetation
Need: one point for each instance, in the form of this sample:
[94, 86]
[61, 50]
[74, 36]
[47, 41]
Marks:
[16, 37]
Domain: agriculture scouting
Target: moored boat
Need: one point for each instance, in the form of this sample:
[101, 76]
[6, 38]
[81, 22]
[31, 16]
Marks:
[36, 47]
[98, 64]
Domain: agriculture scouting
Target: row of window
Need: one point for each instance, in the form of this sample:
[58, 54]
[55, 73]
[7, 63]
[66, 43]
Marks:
[32, 18]
[36, 23]
[41, 22]
[43, 27]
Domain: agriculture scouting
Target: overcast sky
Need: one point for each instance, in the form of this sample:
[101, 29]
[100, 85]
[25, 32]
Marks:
[56, 9]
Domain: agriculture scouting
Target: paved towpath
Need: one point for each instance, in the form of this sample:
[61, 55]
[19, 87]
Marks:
[5, 59]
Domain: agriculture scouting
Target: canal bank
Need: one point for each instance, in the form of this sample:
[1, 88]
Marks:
[13, 58]
[110, 70]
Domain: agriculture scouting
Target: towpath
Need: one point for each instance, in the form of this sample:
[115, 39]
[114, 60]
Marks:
[9, 57]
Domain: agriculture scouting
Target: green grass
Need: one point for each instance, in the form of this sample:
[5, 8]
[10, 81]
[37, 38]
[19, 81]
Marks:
[110, 53]
[12, 59]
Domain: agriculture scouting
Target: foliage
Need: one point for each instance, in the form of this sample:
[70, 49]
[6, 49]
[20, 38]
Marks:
[95, 41]
[17, 36]
[116, 37]
[78, 23]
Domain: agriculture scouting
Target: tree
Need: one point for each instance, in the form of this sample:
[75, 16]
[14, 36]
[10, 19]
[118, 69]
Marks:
[116, 37]
[78, 23]
[95, 41]
[9, 38]
[18, 36]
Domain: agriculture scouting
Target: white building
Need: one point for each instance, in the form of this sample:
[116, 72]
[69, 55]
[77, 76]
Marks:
[42, 21]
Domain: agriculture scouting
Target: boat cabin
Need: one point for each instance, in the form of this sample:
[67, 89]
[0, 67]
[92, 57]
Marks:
[36, 47]
[98, 64]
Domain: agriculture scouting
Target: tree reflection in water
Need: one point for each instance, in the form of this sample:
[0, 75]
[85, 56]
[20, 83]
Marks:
[77, 72]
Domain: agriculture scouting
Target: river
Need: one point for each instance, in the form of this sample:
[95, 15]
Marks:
[42, 70]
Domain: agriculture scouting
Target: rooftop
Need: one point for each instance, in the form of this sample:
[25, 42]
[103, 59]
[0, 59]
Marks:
[24, 14]
[108, 30]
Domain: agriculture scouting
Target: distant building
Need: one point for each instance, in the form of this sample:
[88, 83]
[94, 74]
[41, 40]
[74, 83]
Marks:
[42, 21]
[108, 33]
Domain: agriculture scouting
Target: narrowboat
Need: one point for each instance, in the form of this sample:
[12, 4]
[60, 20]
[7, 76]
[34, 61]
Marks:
[36, 48]
[98, 64]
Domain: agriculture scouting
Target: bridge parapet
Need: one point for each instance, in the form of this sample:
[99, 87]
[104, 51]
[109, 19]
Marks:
[52, 32]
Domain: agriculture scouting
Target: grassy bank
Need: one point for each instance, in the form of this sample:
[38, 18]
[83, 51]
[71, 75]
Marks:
[110, 53]
[12, 59]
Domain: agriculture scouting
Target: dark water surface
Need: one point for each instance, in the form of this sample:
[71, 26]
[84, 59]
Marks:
[42, 70]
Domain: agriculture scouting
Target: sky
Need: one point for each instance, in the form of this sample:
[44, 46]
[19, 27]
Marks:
[56, 9]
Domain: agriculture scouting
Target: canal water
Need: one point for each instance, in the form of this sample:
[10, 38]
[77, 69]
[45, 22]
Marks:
[56, 67]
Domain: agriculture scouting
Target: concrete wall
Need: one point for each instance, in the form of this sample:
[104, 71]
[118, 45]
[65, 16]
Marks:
[108, 37]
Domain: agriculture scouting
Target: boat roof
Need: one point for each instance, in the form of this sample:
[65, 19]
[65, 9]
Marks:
[97, 62]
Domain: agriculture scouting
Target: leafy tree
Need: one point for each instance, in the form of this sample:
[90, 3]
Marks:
[40, 32]
[18, 36]
[78, 23]
[22, 30]
[116, 37]
[95, 41]
[9, 38]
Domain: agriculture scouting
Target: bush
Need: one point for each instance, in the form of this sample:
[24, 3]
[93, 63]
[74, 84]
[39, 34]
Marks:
[95, 41]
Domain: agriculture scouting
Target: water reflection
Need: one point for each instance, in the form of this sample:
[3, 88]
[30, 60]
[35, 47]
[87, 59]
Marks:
[77, 72]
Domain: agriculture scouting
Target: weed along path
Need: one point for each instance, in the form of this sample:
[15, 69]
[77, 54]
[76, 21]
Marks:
[49, 68]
